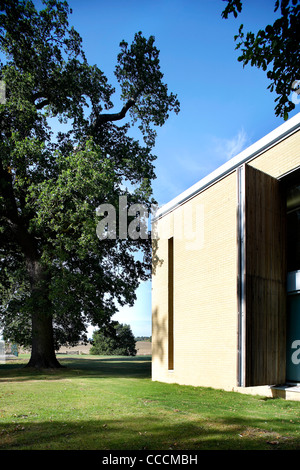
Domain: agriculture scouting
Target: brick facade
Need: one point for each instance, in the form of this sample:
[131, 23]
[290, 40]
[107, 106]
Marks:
[205, 304]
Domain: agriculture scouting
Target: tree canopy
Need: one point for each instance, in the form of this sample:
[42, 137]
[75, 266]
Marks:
[114, 339]
[274, 49]
[56, 275]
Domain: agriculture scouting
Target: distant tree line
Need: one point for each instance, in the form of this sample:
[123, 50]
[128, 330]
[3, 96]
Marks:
[144, 338]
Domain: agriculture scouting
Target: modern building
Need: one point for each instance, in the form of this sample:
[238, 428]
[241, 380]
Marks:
[226, 274]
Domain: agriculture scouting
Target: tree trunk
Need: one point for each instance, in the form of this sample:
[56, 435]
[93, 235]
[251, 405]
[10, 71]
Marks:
[42, 352]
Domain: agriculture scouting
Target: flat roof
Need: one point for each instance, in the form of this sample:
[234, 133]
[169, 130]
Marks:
[271, 139]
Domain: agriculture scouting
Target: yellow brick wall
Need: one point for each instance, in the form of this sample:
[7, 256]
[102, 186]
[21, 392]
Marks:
[281, 158]
[205, 305]
[205, 284]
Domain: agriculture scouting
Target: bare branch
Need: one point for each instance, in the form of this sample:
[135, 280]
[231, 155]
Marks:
[103, 118]
[41, 104]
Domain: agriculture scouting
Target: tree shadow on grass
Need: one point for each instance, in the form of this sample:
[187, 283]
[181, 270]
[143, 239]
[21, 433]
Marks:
[147, 433]
[101, 367]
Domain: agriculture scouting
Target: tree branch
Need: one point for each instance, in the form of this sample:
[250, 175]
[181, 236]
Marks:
[38, 96]
[41, 104]
[103, 118]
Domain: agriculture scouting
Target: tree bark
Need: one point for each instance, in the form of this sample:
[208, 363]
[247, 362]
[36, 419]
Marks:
[42, 352]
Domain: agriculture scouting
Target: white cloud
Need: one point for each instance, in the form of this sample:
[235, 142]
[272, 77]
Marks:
[185, 166]
[225, 149]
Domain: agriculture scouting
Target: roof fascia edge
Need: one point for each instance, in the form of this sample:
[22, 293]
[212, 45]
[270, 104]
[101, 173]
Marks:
[273, 138]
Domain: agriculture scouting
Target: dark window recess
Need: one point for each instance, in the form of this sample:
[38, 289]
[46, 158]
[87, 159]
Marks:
[293, 227]
[293, 241]
[171, 304]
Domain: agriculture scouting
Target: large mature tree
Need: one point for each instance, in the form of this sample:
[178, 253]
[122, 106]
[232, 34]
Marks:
[275, 49]
[56, 275]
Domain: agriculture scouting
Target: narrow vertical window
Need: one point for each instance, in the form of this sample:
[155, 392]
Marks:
[170, 304]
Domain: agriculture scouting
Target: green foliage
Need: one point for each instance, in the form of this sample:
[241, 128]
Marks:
[144, 338]
[52, 182]
[114, 339]
[138, 72]
[274, 49]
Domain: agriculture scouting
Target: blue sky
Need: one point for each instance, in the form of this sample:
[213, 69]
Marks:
[224, 107]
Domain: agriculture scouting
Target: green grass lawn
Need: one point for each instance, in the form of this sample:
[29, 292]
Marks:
[98, 403]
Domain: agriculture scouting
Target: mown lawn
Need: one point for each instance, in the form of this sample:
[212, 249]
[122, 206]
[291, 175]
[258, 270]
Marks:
[98, 403]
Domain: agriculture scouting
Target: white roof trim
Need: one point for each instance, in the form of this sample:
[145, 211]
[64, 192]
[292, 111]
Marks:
[278, 134]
